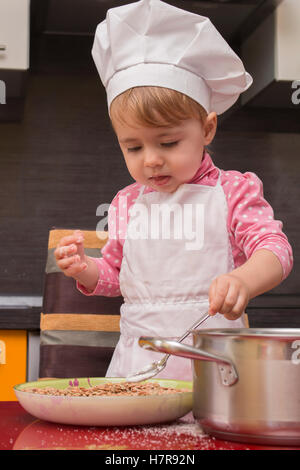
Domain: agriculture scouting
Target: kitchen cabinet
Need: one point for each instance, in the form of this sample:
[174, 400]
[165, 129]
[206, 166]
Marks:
[14, 57]
[275, 63]
[13, 351]
[14, 34]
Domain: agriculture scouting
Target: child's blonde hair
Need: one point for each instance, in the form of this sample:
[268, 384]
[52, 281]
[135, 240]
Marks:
[155, 107]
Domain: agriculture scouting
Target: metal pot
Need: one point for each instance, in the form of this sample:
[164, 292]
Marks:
[246, 382]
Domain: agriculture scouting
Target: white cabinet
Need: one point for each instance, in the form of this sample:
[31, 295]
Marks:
[271, 54]
[287, 40]
[14, 34]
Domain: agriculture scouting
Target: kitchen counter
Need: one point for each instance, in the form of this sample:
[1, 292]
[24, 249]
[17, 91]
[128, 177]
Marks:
[20, 312]
[20, 318]
[21, 431]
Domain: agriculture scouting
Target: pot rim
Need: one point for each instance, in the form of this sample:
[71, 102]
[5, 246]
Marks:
[274, 333]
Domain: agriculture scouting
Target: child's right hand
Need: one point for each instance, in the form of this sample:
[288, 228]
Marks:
[69, 254]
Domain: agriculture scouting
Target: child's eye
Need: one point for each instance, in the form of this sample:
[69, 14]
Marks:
[134, 149]
[170, 144]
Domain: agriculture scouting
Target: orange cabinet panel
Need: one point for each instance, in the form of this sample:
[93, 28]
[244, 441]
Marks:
[13, 351]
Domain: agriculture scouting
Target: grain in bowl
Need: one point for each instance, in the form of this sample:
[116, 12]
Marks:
[108, 389]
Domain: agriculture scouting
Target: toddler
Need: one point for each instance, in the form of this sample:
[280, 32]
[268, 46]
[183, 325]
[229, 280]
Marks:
[186, 237]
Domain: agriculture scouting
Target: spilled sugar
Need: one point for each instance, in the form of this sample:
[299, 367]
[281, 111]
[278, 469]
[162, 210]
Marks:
[183, 434]
[177, 435]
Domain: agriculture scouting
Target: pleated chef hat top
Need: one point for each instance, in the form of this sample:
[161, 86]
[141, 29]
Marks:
[151, 43]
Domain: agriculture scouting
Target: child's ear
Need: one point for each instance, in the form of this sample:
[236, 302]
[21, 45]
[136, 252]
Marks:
[210, 128]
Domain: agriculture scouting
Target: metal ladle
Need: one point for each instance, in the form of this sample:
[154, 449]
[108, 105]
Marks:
[155, 367]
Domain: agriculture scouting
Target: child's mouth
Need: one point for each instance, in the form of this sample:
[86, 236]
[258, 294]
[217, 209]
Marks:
[160, 180]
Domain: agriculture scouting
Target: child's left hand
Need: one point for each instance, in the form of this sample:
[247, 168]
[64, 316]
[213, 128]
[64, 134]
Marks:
[228, 295]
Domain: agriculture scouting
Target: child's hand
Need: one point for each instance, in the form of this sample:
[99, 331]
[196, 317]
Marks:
[229, 296]
[69, 254]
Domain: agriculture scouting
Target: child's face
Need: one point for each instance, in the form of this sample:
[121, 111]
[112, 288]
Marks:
[165, 157]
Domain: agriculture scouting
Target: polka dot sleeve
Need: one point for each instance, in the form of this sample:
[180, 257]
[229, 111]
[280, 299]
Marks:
[251, 222]
[112, 253]
[109, 264]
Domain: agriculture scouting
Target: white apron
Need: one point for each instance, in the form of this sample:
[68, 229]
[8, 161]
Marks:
[165, 276]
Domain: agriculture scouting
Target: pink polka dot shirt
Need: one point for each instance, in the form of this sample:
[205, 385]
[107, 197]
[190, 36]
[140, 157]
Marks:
[250, 223]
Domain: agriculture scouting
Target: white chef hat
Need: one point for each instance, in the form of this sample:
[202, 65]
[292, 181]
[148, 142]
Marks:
[151, 43]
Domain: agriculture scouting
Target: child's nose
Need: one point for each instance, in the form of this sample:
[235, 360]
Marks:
[152, 158]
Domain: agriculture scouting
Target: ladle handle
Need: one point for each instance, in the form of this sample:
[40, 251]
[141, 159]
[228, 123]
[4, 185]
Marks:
[195, 325]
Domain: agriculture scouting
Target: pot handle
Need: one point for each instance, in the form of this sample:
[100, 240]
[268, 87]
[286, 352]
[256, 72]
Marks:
[228, 372]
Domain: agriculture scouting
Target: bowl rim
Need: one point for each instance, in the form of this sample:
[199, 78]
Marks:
[181, 384]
